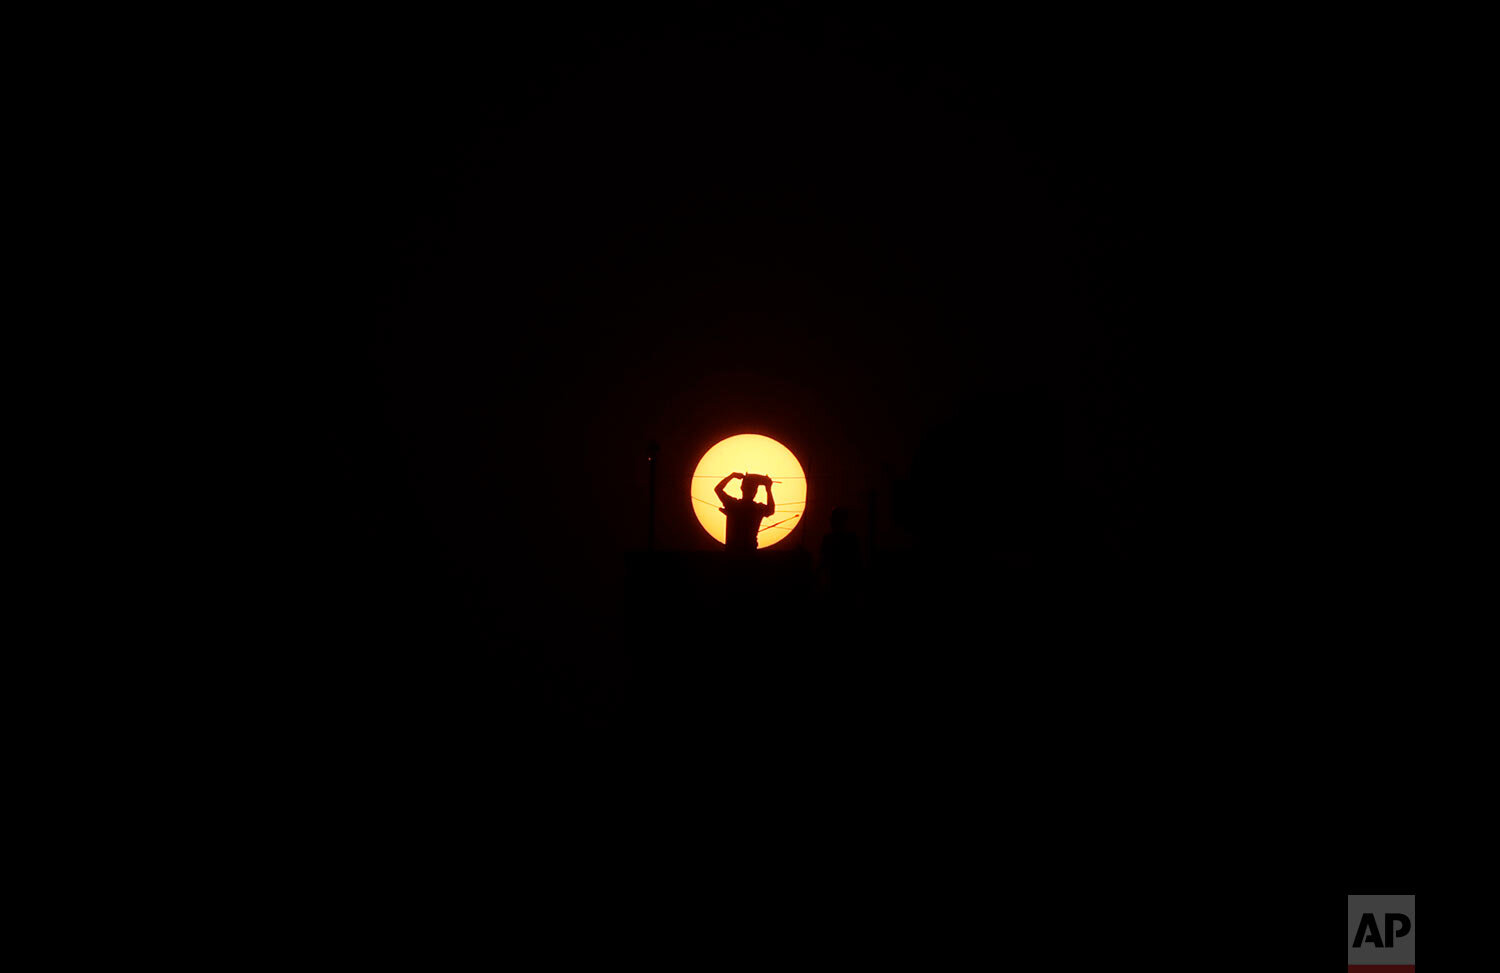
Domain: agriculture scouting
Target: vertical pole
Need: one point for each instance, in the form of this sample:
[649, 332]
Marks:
[651, 451]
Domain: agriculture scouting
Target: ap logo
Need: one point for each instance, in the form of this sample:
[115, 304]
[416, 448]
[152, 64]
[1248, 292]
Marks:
[1382, 933]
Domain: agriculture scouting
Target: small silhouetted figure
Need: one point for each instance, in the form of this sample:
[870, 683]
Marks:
[742, 514]
[839, 558]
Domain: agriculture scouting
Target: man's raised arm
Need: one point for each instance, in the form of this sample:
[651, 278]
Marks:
[770, 500]
[724, 497]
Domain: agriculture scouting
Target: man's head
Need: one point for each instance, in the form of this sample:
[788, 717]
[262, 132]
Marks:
[750, 485]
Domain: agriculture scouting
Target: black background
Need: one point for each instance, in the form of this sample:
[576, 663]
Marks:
[957, 269]
[1003, 274]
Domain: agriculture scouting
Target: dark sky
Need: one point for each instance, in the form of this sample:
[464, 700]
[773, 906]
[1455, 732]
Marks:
[929, 257]
[975, 274]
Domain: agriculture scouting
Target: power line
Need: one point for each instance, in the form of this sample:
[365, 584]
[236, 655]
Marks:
[779, 523]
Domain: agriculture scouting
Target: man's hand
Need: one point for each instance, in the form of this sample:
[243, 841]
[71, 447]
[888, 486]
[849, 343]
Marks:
[736, 476]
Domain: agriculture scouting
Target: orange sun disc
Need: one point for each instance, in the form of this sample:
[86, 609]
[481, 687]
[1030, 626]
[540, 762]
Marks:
[750, 453]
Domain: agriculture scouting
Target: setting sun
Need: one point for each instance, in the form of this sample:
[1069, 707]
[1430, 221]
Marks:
[750, 454]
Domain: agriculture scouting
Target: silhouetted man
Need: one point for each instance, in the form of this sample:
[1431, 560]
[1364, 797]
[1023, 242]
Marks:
[743, 515]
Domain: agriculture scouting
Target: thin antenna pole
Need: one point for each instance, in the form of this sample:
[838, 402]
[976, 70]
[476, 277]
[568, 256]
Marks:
[651, 451]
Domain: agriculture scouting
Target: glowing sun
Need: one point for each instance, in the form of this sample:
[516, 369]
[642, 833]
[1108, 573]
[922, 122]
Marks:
[751, 454]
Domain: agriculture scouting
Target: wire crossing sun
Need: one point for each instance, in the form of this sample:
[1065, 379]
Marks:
[753, 457]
